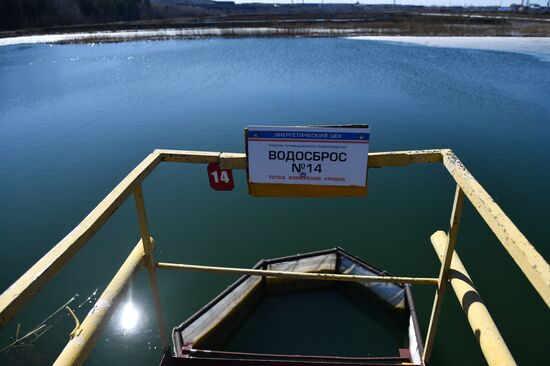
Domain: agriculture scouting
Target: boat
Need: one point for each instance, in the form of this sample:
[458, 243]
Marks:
[192, 340]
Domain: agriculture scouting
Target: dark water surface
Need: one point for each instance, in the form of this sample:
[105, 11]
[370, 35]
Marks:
[75, 119]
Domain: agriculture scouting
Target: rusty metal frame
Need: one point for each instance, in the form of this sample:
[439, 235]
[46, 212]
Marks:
[533, 265]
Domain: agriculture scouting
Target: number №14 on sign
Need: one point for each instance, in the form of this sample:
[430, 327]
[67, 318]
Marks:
[220, 179]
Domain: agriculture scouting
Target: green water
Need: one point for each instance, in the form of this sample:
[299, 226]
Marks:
[75, 119]
[308, 321]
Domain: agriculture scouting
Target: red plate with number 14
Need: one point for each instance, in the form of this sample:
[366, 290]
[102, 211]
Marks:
[220, 179]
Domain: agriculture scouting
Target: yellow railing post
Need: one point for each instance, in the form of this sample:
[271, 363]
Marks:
[150, 264]
[444, 272]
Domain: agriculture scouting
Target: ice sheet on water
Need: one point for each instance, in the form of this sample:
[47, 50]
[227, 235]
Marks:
[536, 46]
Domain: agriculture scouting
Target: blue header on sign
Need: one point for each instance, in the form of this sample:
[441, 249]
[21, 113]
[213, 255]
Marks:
[308, 135]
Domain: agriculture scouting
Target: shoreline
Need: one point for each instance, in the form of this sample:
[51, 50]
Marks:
[534, 46]
[336, 24]
[173, 34]
[201, 33]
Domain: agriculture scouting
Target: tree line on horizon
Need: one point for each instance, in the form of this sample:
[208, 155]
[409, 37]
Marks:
[24, 14]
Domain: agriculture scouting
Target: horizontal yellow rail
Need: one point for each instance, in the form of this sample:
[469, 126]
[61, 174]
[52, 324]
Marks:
[298, 275]
[238, 160]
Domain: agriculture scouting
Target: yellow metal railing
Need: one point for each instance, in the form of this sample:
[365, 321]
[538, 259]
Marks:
[83, 338]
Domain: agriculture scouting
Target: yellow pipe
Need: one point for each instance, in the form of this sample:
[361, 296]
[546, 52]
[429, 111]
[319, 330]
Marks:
[85, 337]
[299, 275]
[492, 345]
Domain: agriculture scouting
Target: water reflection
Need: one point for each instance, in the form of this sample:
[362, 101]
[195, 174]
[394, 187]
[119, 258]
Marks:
[129, 317]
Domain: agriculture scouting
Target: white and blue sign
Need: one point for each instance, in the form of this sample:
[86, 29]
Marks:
[328, 156]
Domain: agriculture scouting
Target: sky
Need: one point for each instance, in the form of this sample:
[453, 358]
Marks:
[408, 2]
